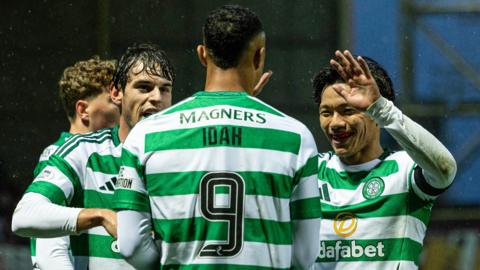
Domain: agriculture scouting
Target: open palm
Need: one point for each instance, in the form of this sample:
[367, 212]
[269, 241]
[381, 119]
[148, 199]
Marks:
[363, 90]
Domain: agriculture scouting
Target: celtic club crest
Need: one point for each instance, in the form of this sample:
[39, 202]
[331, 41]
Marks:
[373, 188]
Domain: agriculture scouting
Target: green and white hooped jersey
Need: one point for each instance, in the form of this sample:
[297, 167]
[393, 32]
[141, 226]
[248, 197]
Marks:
[373, 218]
[82, 173]
[42, 162]
[48, 151]
[223, 176]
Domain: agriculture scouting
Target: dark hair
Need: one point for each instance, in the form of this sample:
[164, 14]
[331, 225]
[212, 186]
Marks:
[154, 60]
[85, 79]
[328, 76]
[227, 31]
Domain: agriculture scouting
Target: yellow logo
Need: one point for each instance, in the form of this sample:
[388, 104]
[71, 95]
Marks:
[345, 224]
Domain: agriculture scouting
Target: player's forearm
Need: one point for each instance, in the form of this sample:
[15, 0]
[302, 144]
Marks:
[426, 150]
[36, 216]
[135, 242]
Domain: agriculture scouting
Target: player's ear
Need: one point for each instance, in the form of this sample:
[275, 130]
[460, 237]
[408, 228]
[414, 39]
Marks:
[259, 58]
[81, 109]
[202, 54]
[116, 95]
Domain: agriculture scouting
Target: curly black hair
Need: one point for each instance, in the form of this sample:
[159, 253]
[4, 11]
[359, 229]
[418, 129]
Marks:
[155, 62]
[328, 76]
[227, 31]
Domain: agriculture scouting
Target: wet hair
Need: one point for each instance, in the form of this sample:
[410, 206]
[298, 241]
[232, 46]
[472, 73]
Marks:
[328, 76]
[154, 60]
[226, 33]
[85, 79]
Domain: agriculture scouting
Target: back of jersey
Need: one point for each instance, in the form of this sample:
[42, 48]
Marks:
[226, 174]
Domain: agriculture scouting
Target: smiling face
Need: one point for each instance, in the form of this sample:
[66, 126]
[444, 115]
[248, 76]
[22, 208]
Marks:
[144, 94]
[353, 135]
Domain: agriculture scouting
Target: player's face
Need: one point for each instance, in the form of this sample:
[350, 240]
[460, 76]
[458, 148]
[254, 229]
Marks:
[350, 132]
[102, 112]
[144, 94]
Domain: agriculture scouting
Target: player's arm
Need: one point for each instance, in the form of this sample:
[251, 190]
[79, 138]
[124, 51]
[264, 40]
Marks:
[43, 160]
[36, 216]
[305, 207]
[438, 167]
[135, 241]
[41, 211]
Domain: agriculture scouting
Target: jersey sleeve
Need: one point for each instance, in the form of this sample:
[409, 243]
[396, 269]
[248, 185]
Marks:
[305, 200]
[42, 161]
[436, 165]
[57, 181]
[305, 208]
[421, 186]
[130, 191]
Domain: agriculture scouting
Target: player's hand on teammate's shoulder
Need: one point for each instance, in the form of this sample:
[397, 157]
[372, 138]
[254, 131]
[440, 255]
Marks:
[363, 91]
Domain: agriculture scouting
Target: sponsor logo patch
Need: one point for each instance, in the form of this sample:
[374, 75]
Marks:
[345, 224]
[124, 183]
[337, 250]
[122, 180]
[47, 174]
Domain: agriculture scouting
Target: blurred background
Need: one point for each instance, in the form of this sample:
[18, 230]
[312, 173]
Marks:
[430, 48]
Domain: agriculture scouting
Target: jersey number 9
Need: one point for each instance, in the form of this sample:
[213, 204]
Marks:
[230, 211]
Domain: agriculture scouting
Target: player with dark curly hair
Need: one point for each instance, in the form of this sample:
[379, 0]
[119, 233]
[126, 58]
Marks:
[376, 203]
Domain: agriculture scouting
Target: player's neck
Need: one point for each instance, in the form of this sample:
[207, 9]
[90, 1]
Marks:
[123, 129]
[365, 155]
[78, 127]
[232, 79]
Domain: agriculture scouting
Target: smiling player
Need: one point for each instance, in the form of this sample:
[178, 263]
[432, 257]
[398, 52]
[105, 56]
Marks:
[376, 203]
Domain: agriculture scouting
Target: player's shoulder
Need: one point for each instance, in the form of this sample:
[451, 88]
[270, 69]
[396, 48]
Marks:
[265, 107]
[325, 156]
[83, 144]
[179, 106]
[278, 115]
[160, 118]
[49, 150]
[327, 159]
[400, 157]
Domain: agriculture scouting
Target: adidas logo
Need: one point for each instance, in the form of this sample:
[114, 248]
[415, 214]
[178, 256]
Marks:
[109, 186]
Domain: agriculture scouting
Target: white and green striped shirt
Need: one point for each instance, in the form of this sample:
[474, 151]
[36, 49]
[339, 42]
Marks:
[50, 243]
[225, 177]
[82, 173]
[374, 216]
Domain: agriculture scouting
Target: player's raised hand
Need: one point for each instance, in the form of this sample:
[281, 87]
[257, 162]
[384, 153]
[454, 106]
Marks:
[261, 83]
[363, 90]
